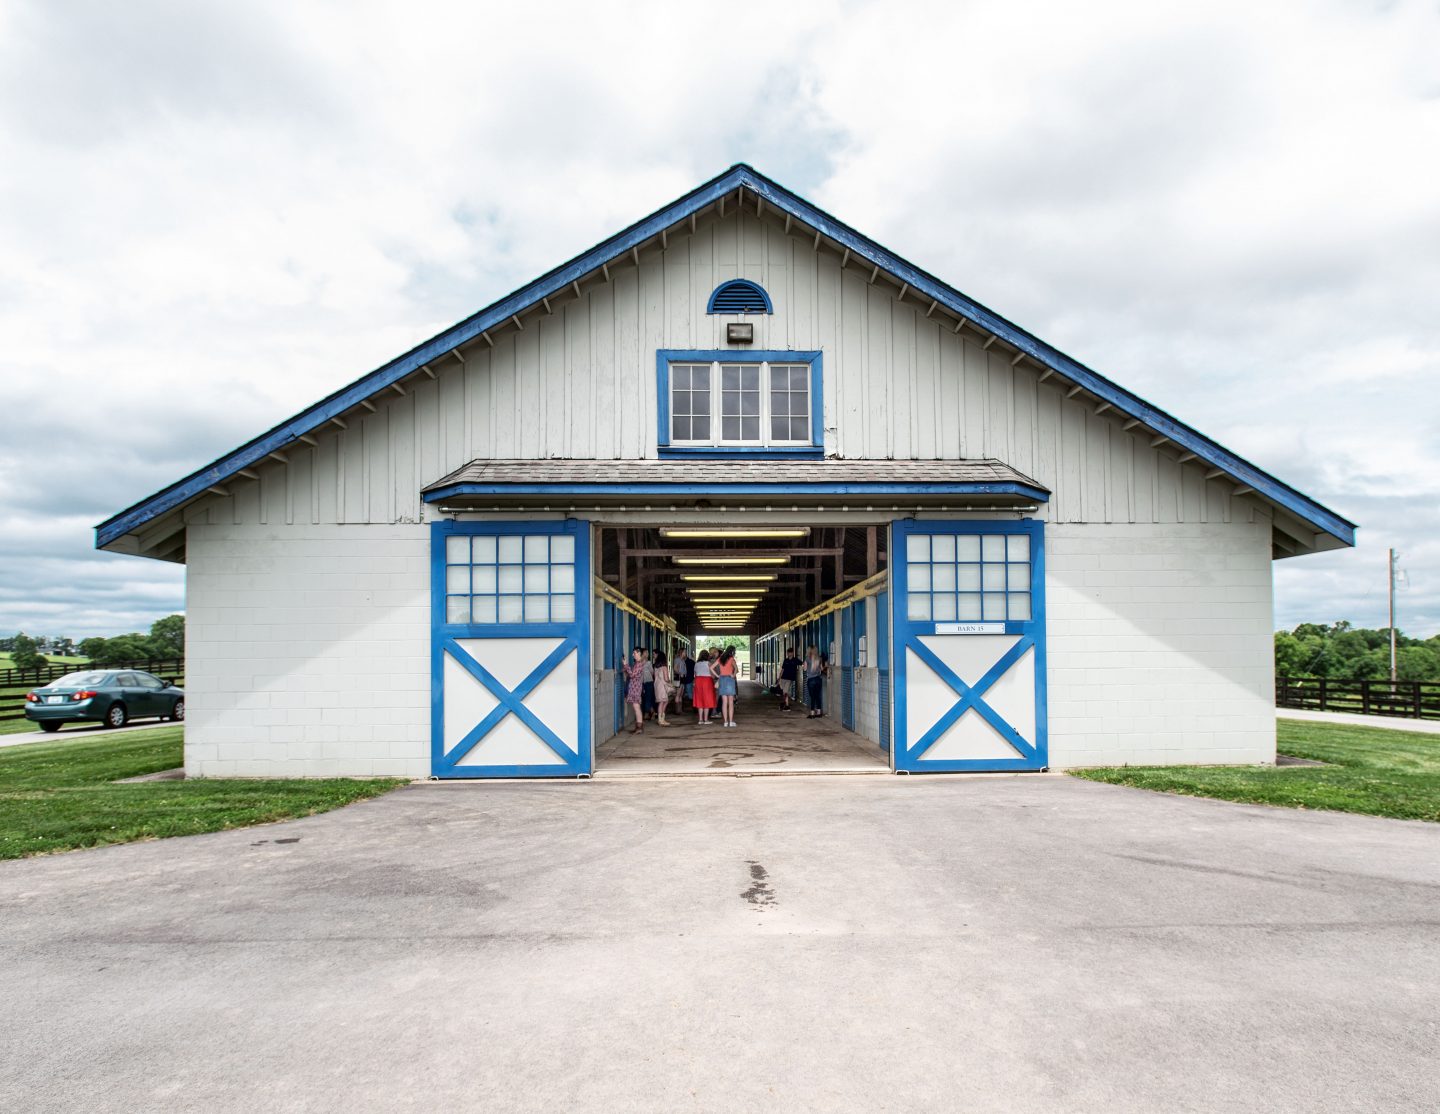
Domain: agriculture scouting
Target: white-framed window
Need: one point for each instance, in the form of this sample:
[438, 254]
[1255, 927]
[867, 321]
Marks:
[740, 402]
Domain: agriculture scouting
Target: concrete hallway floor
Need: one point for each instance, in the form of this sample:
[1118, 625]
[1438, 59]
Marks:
[766, 741]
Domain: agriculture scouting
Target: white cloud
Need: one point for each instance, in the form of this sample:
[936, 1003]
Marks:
[211, 216]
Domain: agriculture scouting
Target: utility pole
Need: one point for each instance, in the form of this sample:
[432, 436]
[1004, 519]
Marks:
[1392, 616]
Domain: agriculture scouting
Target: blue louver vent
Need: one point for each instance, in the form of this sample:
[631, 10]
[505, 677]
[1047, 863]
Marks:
[739, 296]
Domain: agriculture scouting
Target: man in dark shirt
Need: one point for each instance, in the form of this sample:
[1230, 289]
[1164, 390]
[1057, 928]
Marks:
[789, 674]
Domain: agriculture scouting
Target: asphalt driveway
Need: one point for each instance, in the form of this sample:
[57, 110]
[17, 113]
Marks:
[842, 943]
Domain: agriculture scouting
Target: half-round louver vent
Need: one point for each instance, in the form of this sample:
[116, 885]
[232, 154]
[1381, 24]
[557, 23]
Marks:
[739, 296]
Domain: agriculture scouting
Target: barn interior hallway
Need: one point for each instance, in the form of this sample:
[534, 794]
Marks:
[766, 741]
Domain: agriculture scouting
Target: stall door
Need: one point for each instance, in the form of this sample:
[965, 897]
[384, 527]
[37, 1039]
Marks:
[847, 668]
[511, 649]
[969, 616]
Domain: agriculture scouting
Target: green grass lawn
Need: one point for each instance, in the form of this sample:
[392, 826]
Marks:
[57, 796]
[1373, 770]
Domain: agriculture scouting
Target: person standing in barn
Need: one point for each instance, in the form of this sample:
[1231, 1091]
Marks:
[662, 687]
[634, 688]
[789, 677]
[704, 689]
[815, 670]
[681, 669]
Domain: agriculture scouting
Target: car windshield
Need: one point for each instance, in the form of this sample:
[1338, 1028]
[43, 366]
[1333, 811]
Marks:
[77, 680]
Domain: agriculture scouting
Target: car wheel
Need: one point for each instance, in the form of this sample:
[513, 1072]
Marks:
[177, 713]
[116, 716]
[50, 728]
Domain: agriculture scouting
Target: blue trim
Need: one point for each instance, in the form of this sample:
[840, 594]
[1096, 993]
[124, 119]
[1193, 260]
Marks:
[676, 489]
[737, 452]
[664, 357]
[1034, 754]
[748, 287]
[575, 638]
[775, 195]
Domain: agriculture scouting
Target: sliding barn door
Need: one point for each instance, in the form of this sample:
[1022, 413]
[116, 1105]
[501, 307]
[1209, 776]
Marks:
[969, 615]
[511, 649]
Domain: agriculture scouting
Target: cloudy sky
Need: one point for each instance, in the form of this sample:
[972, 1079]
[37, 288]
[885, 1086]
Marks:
[213, 214]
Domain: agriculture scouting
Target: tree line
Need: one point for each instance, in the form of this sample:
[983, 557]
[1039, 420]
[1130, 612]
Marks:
[165, 640]
[1345, 653]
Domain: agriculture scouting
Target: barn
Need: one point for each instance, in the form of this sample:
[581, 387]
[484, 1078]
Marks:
[738, 415]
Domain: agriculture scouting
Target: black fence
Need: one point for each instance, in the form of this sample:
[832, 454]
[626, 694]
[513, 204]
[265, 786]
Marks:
[14, 683]
[1411, 699]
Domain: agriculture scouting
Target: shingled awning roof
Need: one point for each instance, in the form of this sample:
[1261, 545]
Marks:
[830, 480]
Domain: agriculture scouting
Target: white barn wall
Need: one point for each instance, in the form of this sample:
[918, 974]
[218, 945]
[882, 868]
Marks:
[581, 383]
[1159, 645]
[307, 651]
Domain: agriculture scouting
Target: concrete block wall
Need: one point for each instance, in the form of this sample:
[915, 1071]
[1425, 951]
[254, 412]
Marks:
[867, 703]
[1160, 644]
[308, 651]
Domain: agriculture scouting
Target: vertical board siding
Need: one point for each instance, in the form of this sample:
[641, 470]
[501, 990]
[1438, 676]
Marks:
[579, 382]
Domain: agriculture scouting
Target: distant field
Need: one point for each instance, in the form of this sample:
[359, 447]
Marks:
[6, 663]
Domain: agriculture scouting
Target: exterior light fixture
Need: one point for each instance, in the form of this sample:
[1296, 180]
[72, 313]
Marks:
[739, 332]
[755, 532]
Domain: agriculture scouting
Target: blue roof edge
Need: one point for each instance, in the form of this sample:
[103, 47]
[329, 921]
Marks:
[740, 175]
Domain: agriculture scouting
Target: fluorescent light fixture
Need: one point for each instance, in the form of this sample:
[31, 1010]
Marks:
[756, 592]
[744, 532]
[731, 560]
[736, 601]
[761, 577]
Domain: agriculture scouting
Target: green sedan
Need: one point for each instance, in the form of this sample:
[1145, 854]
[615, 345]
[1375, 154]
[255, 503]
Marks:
[112, 697]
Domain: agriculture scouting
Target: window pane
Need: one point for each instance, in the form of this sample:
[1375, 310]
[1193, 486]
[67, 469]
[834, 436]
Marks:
[967, 578]
[994, 579]
[729, 404]
[944, 578]
[800, 429]
[511, 609]
[562, 549]
[750, 403]
[750, 429]
[944, 608]
[779, 402]
[918, 606]
[919, 576]
[917, 547]
[967, 547]
[537, 578]
[1019, 547]
[537, 609]
[750, 377]
[537, 549]
[968, 609]
[483, 579]
[562, 579]
[730, 429]
[700, 430]
[994, 605]
[680, 429]
[484, 607]
[510, 578]
[800, 379]
[992, 547]
[1020, 606]
[457, 609]
[942, 547]
[510, 549]
[779, 429]
[457, 550]
[1019, 578]
[562, 609]
[457, 578]
[730, 377]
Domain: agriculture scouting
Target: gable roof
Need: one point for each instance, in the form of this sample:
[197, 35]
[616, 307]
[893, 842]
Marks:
[741, 178]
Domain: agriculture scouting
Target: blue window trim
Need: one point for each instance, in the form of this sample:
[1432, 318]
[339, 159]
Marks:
[750, 287]
[739, 176]
[905, 755]
[577, 632]
[664, 357]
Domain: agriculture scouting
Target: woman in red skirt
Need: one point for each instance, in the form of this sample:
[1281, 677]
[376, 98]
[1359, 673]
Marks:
[704, 688]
